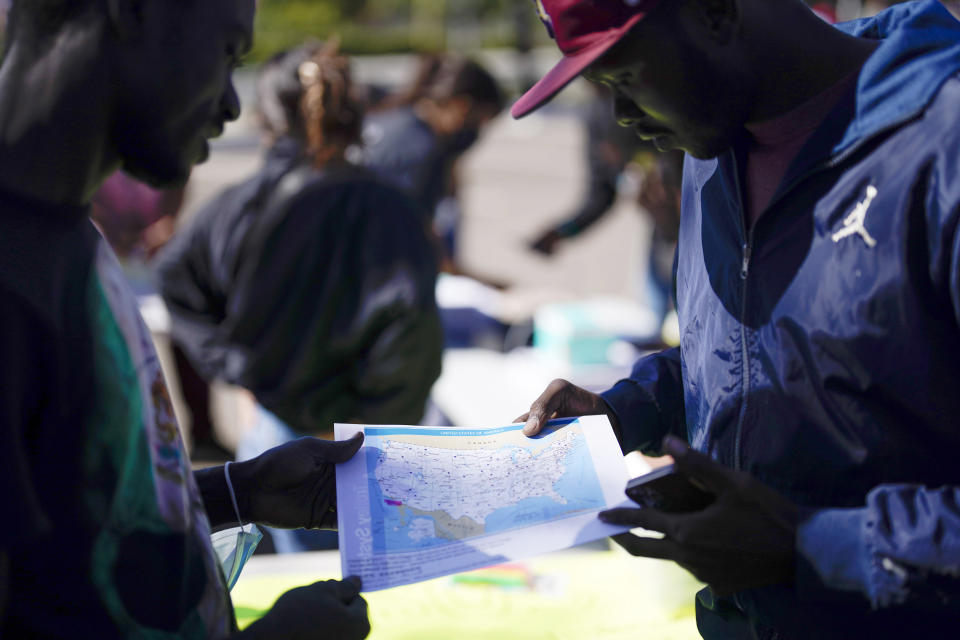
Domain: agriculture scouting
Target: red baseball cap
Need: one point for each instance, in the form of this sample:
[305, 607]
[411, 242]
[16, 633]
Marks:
[584, 31]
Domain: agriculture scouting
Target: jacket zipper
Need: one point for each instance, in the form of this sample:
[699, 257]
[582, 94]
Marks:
[746, 254]
[745, 354]
[745, 265]
[747, 250]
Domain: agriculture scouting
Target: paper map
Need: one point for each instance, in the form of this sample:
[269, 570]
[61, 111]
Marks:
[421, 502]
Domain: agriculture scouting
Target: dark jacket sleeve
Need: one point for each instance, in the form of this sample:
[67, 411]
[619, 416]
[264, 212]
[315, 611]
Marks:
[21, 379]
[649, 404]
[601, 191]
[193, 273]
[333, 316]
[400, 365]
[902, 548]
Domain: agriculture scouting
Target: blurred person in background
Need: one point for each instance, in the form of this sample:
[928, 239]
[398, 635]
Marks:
[278, 94]
[818, 289]
[416, 141]
[310, 284]
[107, 530]
[610, 149]
[138, 220]
[826, 10]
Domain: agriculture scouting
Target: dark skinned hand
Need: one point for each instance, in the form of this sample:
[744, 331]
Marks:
[294, 485]
[546, 243]
[744, 539]
[322, 610]
[562, 399]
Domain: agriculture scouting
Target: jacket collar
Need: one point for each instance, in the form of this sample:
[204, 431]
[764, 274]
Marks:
[920, 49]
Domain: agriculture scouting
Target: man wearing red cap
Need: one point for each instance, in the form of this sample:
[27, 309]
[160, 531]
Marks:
[818, 292]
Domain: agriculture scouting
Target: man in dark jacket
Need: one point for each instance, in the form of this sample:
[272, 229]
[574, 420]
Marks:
[106, 528]
[818, 290]
[311, 285]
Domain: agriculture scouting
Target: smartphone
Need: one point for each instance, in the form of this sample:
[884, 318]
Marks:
[668, 490]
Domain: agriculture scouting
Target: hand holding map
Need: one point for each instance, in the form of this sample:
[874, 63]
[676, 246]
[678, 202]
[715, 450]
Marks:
[421, 502]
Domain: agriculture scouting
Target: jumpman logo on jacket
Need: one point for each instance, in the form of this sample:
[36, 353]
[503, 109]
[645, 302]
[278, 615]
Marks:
[853, 223]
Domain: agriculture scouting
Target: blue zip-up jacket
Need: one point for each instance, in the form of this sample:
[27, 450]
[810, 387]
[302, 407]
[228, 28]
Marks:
[820, 352]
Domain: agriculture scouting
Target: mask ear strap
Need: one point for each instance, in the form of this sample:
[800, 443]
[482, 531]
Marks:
[233, 497]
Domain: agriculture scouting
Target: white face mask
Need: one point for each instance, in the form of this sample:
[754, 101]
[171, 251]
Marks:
[234, 547]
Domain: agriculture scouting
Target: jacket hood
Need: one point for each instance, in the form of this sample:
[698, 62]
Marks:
[920, 49]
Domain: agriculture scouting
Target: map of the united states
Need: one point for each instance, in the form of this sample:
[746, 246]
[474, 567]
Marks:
[431, 495]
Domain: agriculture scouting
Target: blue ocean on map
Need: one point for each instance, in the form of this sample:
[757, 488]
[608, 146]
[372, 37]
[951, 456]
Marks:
[402, 530]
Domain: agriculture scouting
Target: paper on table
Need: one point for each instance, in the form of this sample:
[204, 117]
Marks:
[421, 502]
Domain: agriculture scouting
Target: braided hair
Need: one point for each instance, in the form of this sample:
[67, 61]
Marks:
[332, 112]
[280, 93]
